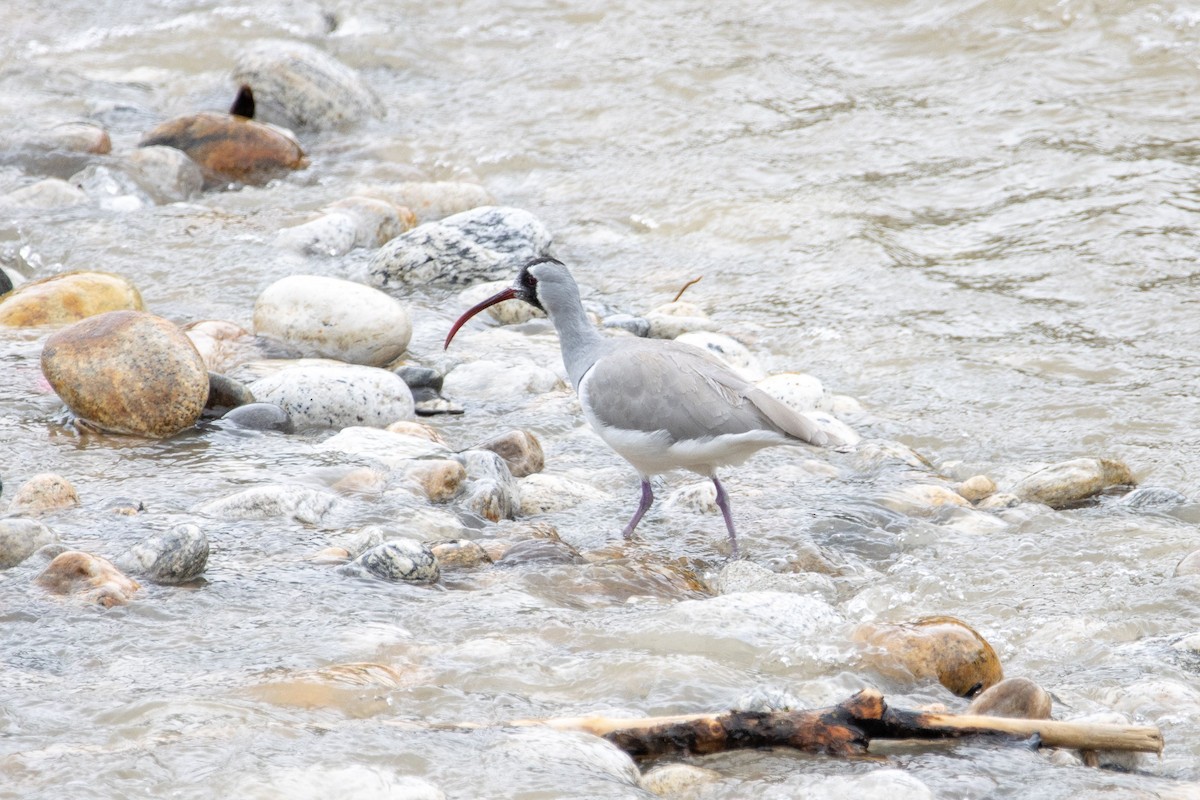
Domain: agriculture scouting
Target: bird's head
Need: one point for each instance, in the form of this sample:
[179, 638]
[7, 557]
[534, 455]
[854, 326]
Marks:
[525, 287]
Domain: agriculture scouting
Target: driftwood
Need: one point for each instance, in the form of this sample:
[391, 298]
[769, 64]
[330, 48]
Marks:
[845, 729]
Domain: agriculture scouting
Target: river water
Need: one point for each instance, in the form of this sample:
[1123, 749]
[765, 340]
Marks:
[977, 218]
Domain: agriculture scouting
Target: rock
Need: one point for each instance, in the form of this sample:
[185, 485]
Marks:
[976, 488]
[521, 451]
[490, 380]
[127, 372]
[384, 446]
[45, 195]
[484, 244]
[700, 498]
[746, 576]
[938, 648]
[507, 312]
[840, 434]
[176, 556]
[91, 578]
[334, 318]
[229, 147]
[21, 538]
[1013, 697]
[922, 498]
[337, 397]
[675, 319]
[260, 417]
[998, 501]
[224, 393]
[74, 137]
[432, 200]
[638, 326]
[492, 493]
[1122, 760]
[539, 551]
[1153, 498]
[420, 377]
[113, 188]
[68, 297]
[397, 560]
[223, 345]
[43, 492]
[166, 174]
[546, 494]
[330, 235]
[678, 781]
[298, 86]
[798, 391]
[1189, 565]
[301, 503]
[362, 540]
[440, 480]
[727, 350]
[459, 554]
[1071, 482]
[377, 221]
[416, 430]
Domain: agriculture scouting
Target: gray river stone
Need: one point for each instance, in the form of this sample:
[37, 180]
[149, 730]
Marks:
[20, 538]
[261, 417]
[484, 244]
[225, 393]
[336, 396]
[301, 503]
[397, 560]
[1153, 498]
[1070, 482]
[492, 491]
[520, 449]
[176, 556]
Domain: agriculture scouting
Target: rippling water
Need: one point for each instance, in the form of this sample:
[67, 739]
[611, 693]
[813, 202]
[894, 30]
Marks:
[975, 217]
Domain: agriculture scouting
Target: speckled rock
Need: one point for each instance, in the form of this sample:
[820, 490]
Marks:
[175, 556]
[301, 503]
[797, 390]
[385, 446]
[727, 350]
[935, 648]
[68, 297]
[678, 781]
[520, 449]
[298, 86]
[1013, 697]
[334, 318]
[167, 175]
[397, 560]
[337, 397]
[674, 319]
[228, 147]
[700, 498]
[976, 488]
[545, 494]
[1188, 565]
[224, 393]
[44, 492]
[508, 312]
[1070, 482]
[90, 578]
[440, 480]
[20, 538]
[1153, 498]
[746, 576]
[459, 554]
[483, 244]
[489, 380]
[431, 200]
[127, 372]
[260, 417]
[492, 491]
[45, 195]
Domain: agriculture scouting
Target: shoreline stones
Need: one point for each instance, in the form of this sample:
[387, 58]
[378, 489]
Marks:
[176, 556]
[66, 298]
[127, 372]
[337, 396]
[91, 578]
[940, 648]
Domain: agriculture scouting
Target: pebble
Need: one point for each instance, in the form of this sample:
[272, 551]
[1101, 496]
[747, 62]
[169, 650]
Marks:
[440, 480]
[746, 576]
[1188, 565]
[483, 244]
[43, 492]
[939, 648]
[546, 494]
[385, 446]
[1153, 498]
[45, 195]
[508, 312]
[91, 578]
[638, 326]
[301, 503]
[492, 491]
[491, 380]
[675, 319]
[1013, 697]
[678, 781]
[334, 318]
[998, 501]
[1070, 482]
[797, 390]
[727, 350]
[459, 554]
[418, 430]
[337, 397]
[21, 538]
[260, 417]
[166, 174]
[228, 147]
[175, 556]
[225, 393]
[976, 488]
[127, 372]
[520, 449]
[66, 298]
[397, 560]
[431, 200]
[298, 86]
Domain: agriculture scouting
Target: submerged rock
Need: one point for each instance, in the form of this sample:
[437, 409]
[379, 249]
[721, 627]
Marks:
[20, 538]
[1153, 498]
[66, 298]
[746, 576]
[675, 319]
[440, 480]
[176, 556]
[459, 554]
[260, 417]
[431, 200]
[225, 393]
[167, 175]
[490, 380]
[397, 560]
[73, 137]
[90, 578]
[976, 488]
[678, 780]
[1013, 697]
[939, 648]
[337, 396]
[520, 449]
[301, 503]
[1070, 482]
[47, 194]
[492, 492]
[127, 372]
[542, 493]
[44, 492]
[1189, 565]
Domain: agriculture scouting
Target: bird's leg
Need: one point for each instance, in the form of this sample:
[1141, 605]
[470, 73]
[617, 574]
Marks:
[723, 504]
[643, 506]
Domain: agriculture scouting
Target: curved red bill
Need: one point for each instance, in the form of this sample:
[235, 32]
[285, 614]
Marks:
[507, 294]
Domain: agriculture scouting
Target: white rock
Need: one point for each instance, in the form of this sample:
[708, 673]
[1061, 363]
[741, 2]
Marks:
[334, 318]
[20, 538]
[376, 221]
[798, 391]
[698, 497]
[728, 350]
[45, 194]
[489, 380]
[839, 432]
[675, 319]
[332, 234]
[544, 494]
[922, 498]
[678, 780]
[391, 449]
[301, 503]
[431, 200]
[492, 492]
[167, 174]
[337, 397]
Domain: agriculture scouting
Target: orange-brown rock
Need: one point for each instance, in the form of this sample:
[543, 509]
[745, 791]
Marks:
[90, 577]
[229, 147]
[440, 479]
[44, 492]
[127, 372]
[939, 648]
[1013, 697]
[68, 297]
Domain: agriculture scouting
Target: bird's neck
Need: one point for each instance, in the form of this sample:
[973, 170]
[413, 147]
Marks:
[579, 339]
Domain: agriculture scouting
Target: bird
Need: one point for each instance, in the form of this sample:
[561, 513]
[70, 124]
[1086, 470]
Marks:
[661, 405]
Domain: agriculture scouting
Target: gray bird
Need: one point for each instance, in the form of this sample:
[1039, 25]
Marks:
[662, 405]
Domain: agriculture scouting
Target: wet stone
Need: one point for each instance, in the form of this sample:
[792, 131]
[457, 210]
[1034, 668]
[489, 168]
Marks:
[127, 372]
[638, 326]
[459, 554]
[482, 244]
[674, 319]
[377, 221]
[90, 578]
[273, 501]
[492, 492]
[385, 446]
[418, 430]
[77, 137]
[431, 200]
[44, 492]
[678, 780]
[440, 480]
[922, 498]
[66, 298]
[337, 397]
[998, 501]
[1189, 565]
[404, 560]
[941, 648]
[329, 235]
[167, 175]
[175, 556]
[520, 449]
[361, 540]
[976, 488]
[420, 377]
[507, 312]
[699, 498]
[1071, 482]
[1013, 697]
[798, 391]
[45, 195]
[539, 551]
[20, 538]
[112, 188]
[225, 393]
[230, 148]
[1153, 498]
[260, 417]
[727, 350]
[490, 380]
[542, 493]
[223, 345]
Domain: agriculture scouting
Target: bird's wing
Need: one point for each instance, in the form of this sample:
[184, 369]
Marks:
[672, 387]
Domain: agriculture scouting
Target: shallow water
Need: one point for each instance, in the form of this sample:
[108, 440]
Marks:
[975, 217]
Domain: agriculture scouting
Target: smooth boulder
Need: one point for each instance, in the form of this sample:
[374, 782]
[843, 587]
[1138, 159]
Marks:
[1013, 697]
[520, 449]
[940, 648]
[230, 147]
[175, 556]
[66, 298]
[20, 538]
[91, 578]
[44, 492]
[1071, 482]
[337, 397]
